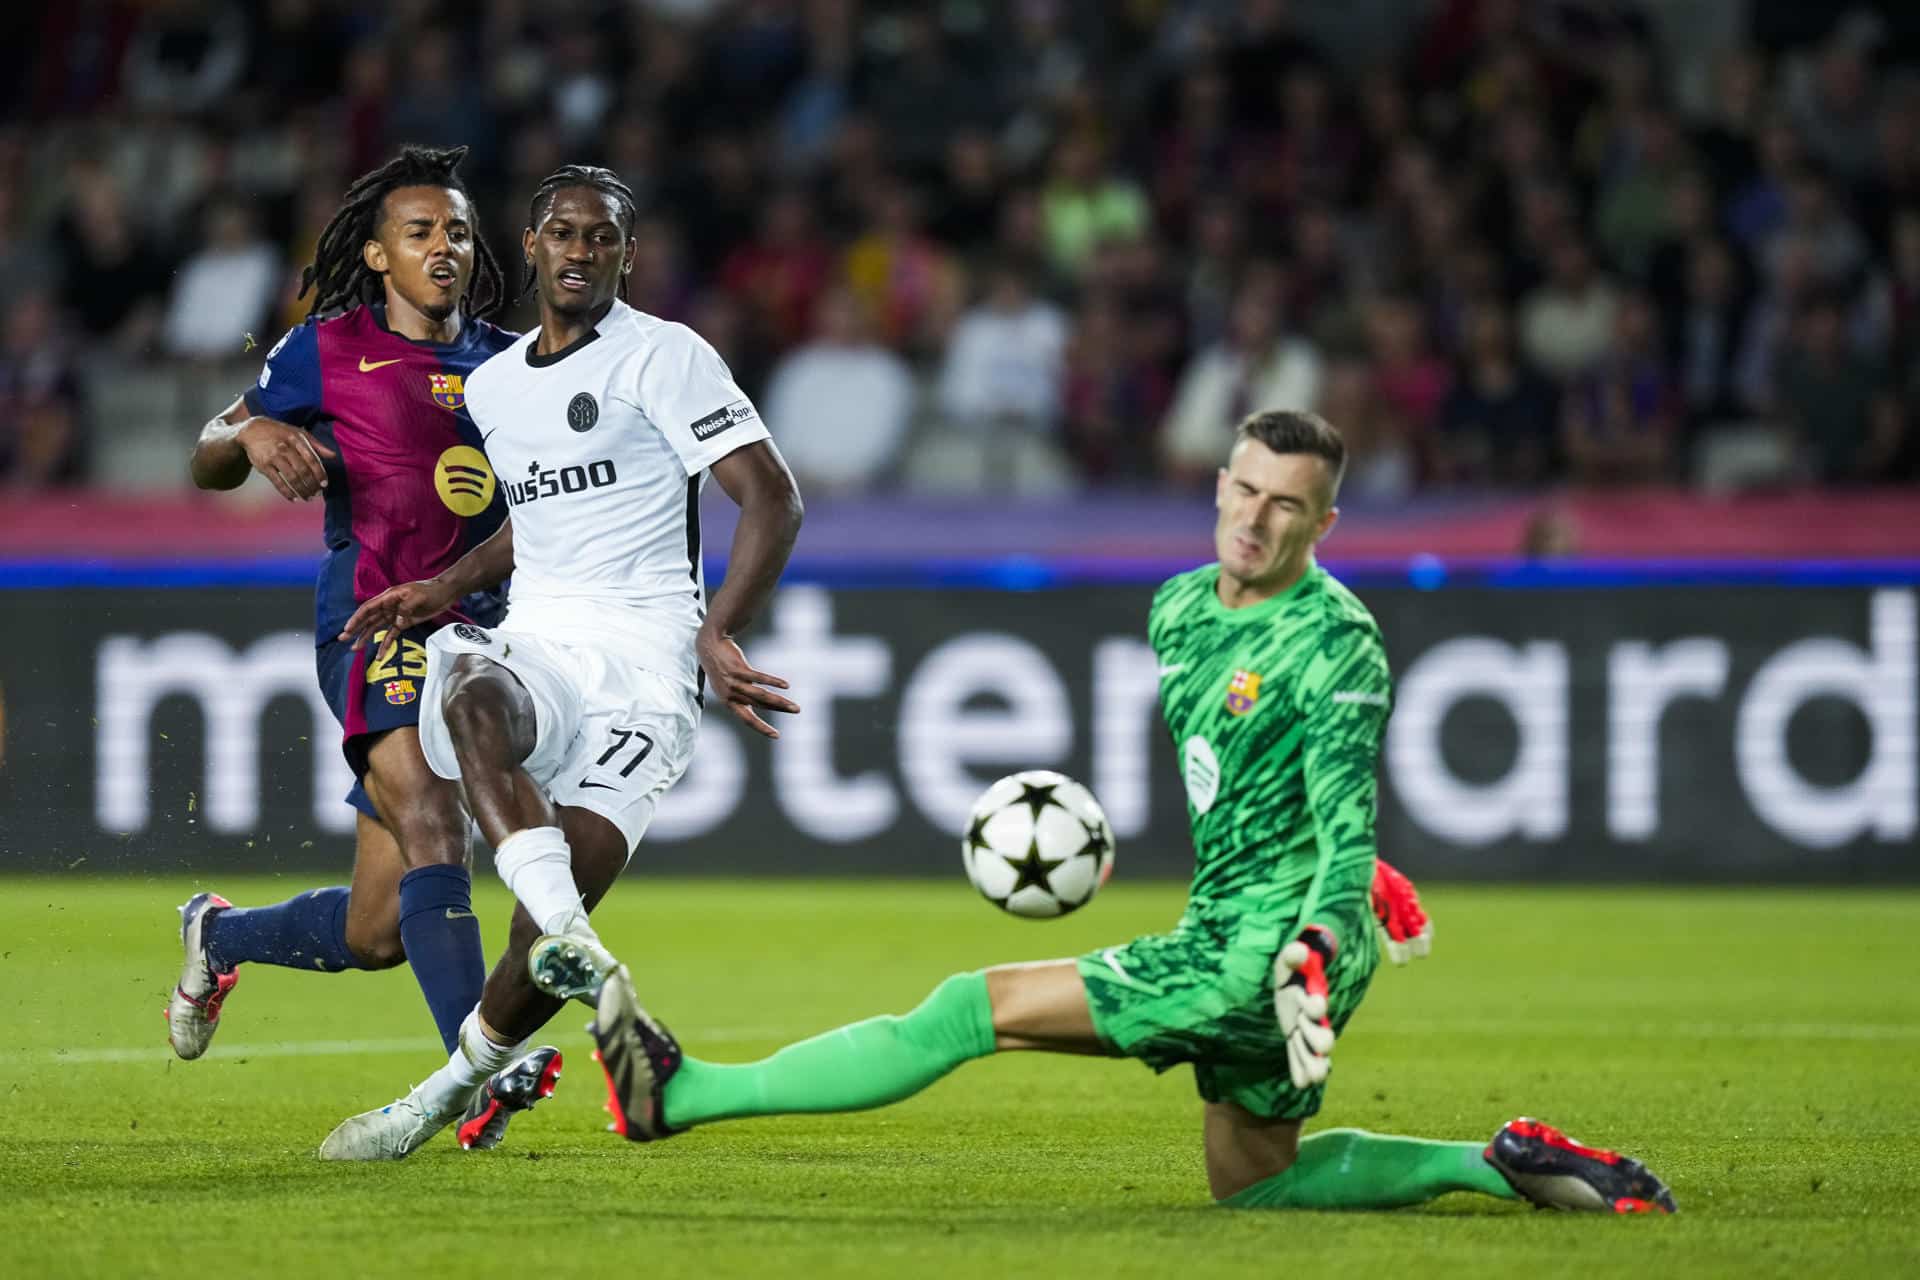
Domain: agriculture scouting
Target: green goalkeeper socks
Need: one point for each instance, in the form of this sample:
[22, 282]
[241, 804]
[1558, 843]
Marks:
[867, 1064]
[1353, 1169]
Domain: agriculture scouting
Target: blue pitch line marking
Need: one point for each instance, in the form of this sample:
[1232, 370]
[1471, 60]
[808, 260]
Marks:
[1033, 573]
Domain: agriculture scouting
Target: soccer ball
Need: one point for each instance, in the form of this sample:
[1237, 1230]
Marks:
[1037, 844]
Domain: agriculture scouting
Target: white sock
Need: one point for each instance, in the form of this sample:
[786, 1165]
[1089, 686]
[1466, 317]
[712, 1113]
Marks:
[537, 865]
[474, 1059]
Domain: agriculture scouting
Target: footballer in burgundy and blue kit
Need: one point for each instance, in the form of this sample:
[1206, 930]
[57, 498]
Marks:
[409, 493]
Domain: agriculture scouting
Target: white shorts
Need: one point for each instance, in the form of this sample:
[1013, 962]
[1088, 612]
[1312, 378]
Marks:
[610, 736]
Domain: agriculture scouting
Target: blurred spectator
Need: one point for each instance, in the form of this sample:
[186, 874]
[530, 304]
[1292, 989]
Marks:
[1815, 218]
[782, 272]
[1707, 329]
[819, 98]
[1552, 534]
[1833, 100]
[298, 47]
[82, 50]
[1758, 208]
[1894, 183]
[1256, 367]
[43, 437]
[1321, 275]
[224, 289]
[1114, 397]
[1086, 203]
[1895, 303]
[114, 278]
[1314, 157]
[660, 283]
[1409, 378]
[1728, 141]
[1201, 152]
[1836, 401]
[906, 282]
[1567, 323]
[1632, 216]
[185, 56]
[1266, 44]
[437, 100]
[1497, 424]
[723, 197]
[968, 207]
[1004, 359]
[923, 94]
[24, 261]
[1381, 464]
[1215, 266]
[1691, 216]
[840, 405]
[1620, 423]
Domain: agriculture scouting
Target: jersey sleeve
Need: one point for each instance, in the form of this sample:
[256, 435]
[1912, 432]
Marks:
[1345, 694]
[686, 390]
[289, 385]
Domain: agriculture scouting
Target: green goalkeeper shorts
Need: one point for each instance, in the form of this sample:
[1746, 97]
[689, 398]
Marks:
[1203, 994]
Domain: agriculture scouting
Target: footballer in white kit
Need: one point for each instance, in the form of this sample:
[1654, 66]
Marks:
[602, 449]
[566, 723]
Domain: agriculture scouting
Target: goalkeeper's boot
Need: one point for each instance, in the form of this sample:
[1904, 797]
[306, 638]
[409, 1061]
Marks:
[638, 1056]
[515, 1087]
[193, 1014]
[394, 1132]
[1555, 1172]
[570, 966]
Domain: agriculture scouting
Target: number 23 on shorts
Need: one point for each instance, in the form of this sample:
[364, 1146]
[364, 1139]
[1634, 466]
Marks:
[408, 659]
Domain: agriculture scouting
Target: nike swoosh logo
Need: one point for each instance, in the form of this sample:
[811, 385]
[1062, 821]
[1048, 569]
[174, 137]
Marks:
[455, 913]
[366, 367]
[1114, 964]
[1173, 670]
[604, 786]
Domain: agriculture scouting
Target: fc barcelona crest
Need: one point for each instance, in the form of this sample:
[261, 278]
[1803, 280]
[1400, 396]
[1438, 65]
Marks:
[1242, 692]
[401, 692]
[449, 389]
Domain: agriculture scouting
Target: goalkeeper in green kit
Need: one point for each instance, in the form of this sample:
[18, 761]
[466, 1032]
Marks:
[1275, 690]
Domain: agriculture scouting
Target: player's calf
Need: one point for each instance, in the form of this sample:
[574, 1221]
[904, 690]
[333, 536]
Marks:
[1555, 1172]
[193, 1013]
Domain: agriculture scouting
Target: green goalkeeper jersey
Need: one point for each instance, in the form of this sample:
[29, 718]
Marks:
[1276, 711]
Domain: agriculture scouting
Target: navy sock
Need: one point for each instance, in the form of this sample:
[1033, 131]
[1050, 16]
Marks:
[307, 932]
[442, 937]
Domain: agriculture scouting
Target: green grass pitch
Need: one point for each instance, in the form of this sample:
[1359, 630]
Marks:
[1760, 1049]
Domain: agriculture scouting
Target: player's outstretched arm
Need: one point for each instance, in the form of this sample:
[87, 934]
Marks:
[410, 603]
[238, 442]
[757, 479]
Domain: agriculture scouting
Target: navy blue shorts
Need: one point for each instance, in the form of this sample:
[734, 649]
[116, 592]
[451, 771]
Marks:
[369, 698]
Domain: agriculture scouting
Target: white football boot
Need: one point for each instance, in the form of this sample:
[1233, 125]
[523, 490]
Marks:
[394, 1132]
[193, 1014]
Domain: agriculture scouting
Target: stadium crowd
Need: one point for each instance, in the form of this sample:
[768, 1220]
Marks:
[1032, 245]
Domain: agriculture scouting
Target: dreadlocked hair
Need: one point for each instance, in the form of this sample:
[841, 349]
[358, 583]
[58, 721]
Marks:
[339, 275]
[605, 181]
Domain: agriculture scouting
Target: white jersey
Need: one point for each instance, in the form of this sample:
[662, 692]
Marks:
[602, 449]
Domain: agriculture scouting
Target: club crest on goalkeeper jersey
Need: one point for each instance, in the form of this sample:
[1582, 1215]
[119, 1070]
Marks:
[1276, 711]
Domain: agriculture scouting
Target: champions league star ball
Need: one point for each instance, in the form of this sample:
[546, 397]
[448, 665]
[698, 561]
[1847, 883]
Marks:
[1037, 844]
